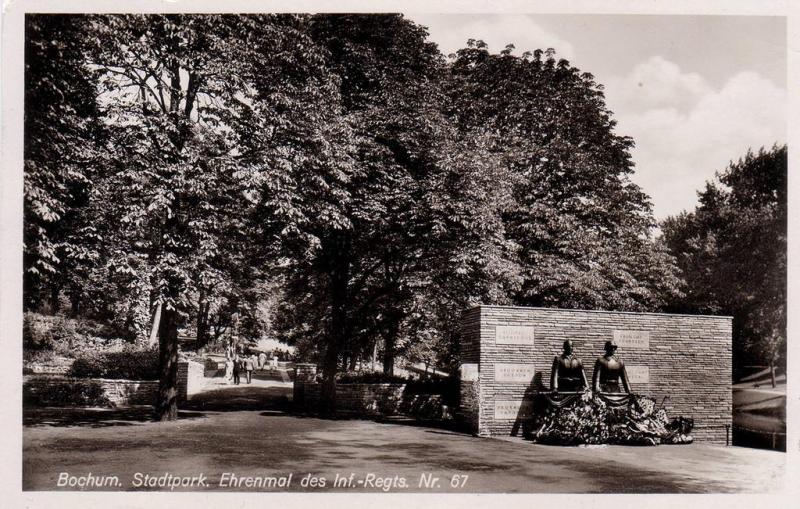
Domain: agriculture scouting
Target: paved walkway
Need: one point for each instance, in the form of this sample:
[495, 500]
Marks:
[213, 439]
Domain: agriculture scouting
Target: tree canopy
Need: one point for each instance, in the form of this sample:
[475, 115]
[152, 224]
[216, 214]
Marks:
[732, 251]
[336, 167]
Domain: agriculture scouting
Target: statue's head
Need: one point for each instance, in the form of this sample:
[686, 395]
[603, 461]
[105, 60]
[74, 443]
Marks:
[610, 347]
[567, 346]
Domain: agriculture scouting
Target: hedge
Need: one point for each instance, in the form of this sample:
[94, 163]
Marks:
[128, 364]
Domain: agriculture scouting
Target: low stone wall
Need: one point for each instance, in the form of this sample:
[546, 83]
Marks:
[372, 400]
[360, 399]
[366, 399]
[43, 390]
[67, 391]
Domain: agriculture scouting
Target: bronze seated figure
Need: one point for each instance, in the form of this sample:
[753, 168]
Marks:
[609, 371]
[567, 373]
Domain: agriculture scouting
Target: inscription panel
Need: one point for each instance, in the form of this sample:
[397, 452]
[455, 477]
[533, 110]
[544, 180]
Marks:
[511, 410]
[632, 339]
[506, 372]
[514, 335]
[638, 374]
[469, 372]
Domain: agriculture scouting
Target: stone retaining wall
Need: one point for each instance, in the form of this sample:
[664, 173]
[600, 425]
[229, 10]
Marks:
[358, 399]
[367, 399]
[67, 391]
[507, 354]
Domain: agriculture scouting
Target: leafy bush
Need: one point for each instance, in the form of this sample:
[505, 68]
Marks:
[74, 392]
[67, 336]
[129, 364]
[31, 356]
[41, 332]
[448, 388]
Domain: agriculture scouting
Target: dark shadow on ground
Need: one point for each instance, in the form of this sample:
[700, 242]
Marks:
[616, 480]
[438, 427]
[241, 398]
[446, 427]
[94, 417]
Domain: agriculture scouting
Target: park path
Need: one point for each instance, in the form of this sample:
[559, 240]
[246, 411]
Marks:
[212, 439]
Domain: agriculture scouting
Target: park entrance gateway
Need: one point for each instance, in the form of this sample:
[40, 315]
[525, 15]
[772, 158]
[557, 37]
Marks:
[507, 354]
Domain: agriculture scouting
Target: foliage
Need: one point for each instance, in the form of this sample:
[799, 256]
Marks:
[421, 203]
[129, 364]
[580, 224]
[732, 251]
[67, 393]
[335, 167]
[60, 127]
[66, 336]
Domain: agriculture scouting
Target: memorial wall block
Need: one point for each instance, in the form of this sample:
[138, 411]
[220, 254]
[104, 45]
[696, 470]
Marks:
[503, 368]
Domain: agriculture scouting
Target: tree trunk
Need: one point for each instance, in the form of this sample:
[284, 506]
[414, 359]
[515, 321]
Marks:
[75, 305]
[156, 326]
[55, 305]
[167, 404]
[328, 392]
[202, 322]
[390, 341]
[338, 260]
[772, 374]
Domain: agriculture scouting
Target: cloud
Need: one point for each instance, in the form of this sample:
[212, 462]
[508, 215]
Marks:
[685, 130]
[451, 34]
[660, 83]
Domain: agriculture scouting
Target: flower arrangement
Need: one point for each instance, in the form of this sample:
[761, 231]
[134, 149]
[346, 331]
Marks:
[590, 419]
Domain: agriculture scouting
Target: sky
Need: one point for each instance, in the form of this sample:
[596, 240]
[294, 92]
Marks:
[694, 92]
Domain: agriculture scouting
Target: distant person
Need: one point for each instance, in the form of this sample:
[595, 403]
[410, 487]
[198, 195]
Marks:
[228, 370]
[249, 365]
[237, 366]
[262, 361]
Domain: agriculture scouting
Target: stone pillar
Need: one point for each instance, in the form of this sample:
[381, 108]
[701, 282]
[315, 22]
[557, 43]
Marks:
[191, 379]
[304, 373]
[183, 381]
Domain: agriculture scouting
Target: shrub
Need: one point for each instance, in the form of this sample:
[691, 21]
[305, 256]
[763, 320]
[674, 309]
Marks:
[73, 392]
[130, 364]
[448, 388]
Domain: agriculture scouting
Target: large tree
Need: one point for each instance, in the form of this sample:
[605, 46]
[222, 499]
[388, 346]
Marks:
[732, 251]
[195, 154]
[420, 201]
[61, 124]
[582, 227]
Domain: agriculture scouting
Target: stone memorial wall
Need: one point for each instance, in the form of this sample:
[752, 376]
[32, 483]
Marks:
[507, 354]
